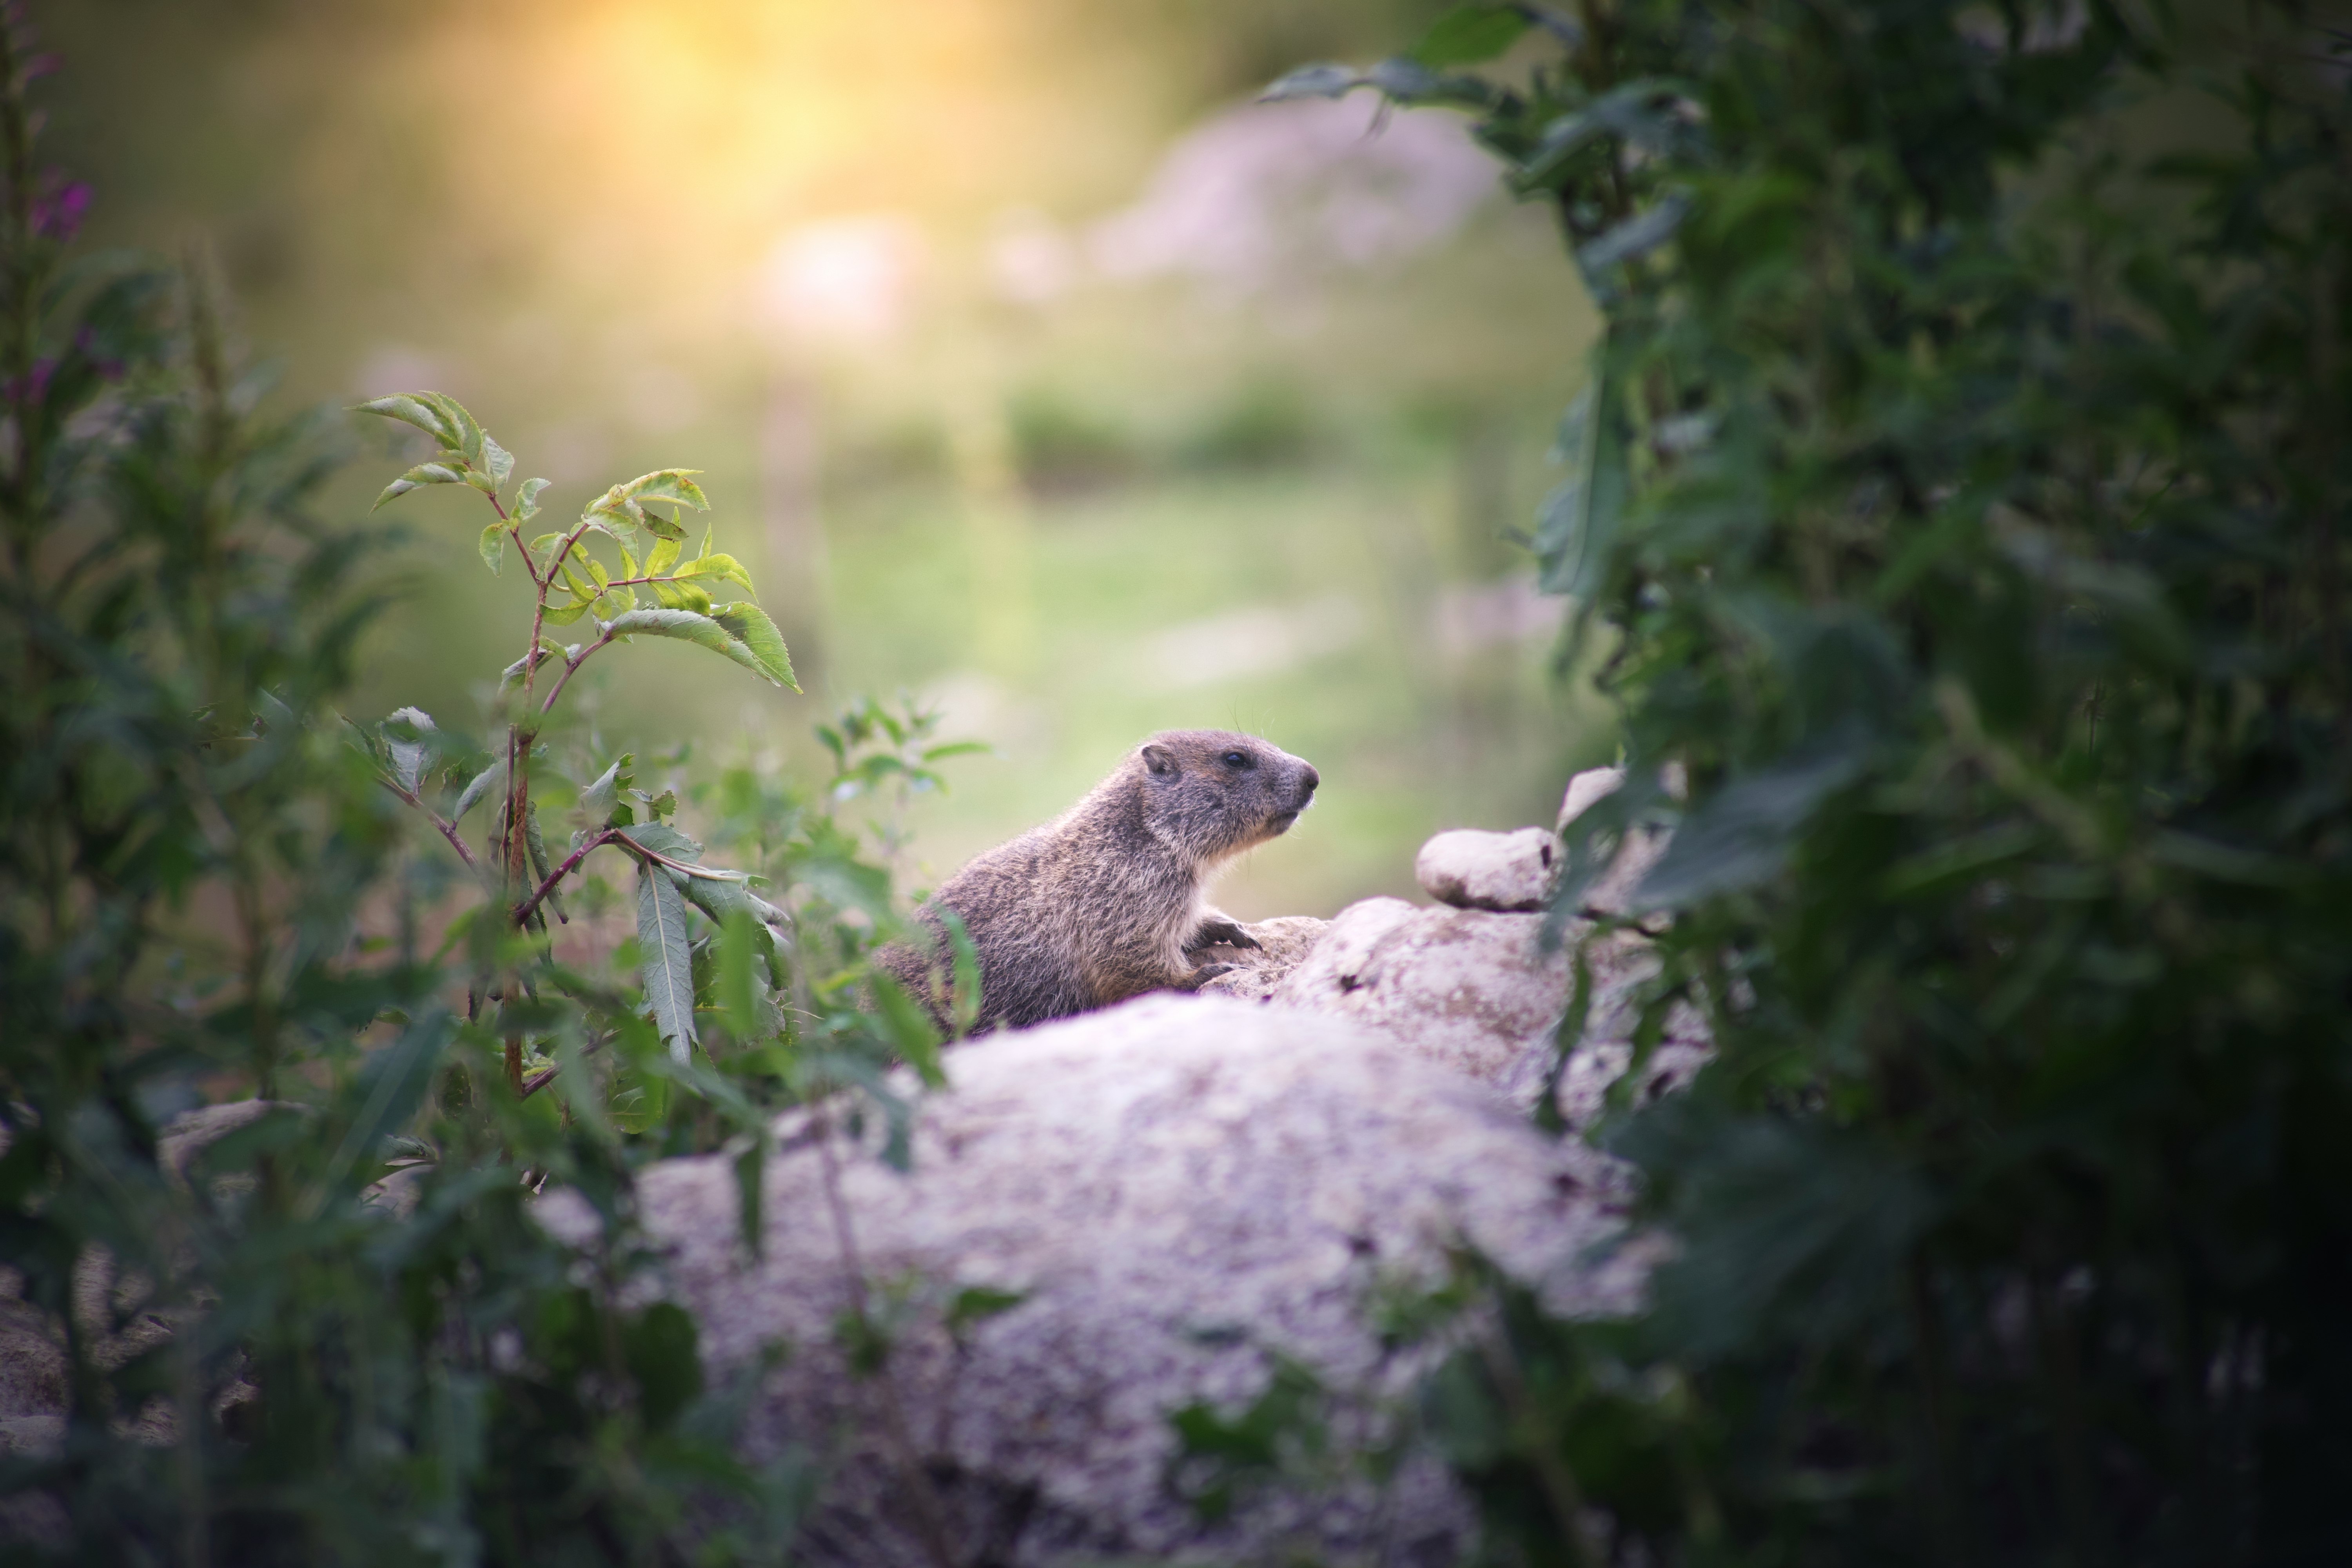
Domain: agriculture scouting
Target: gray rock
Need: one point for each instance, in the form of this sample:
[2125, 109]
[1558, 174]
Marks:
[1179, 1190]
[1473, 869]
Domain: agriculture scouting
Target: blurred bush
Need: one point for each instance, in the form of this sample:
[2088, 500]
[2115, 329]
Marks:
[1960, 497]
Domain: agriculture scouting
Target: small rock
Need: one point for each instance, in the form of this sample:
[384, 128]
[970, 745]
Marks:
[1471, 869]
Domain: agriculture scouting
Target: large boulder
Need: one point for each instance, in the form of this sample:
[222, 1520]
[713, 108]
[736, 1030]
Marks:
[1180, 1192]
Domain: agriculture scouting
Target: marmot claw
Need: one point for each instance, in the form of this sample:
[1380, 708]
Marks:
[1212, 934]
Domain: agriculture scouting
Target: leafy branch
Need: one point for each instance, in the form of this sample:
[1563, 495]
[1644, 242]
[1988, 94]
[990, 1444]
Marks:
[641, 521]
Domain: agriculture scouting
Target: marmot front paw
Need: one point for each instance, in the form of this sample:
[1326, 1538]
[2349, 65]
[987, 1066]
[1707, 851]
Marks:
[1212, 934]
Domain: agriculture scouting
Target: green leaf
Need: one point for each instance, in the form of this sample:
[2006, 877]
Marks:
[417, 477]
[667, 968]
[679, 595]
[663, 839]
[738, 959]
[412, 409]
[1578, 523]
[1637, 236]
[1469, 34]
[963, 1009]
[410, 738]
[493, 546]
[1324, 80]
[976, 1303]
[476, 788]
[498, 460]
[470, 439]
[725, 568]
[909, 1029]
[539, 861]
[711, 633]
[667, 487]
[751, 627]
[1743, 836]
[659, 1349]
[599, 800]
[526, 505]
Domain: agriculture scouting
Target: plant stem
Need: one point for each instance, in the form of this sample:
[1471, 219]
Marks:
[930, 1523]
[569, 666]
[448, 829]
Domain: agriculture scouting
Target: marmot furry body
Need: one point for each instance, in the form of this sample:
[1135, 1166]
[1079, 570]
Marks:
[1106, 902]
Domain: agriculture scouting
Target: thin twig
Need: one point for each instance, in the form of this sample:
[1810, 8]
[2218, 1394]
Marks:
[569, 666]
[572, 863]
[448, 828]
[546, 1075]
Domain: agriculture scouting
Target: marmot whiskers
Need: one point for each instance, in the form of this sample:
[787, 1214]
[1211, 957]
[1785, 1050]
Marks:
[1106, 902]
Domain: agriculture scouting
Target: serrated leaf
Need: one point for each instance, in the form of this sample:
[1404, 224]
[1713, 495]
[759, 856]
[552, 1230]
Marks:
[711, 633]
[417, 477]
[680, 596]
[526, 505]
[668, 487]
[493, 546]
[752, 628]
[564, 615]
[661, 558]
[411, 408]
[725, 568]
[468, 429]
[667, 966]
[498, 460]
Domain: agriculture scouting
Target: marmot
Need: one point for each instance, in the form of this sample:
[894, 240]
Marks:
[1105, 902]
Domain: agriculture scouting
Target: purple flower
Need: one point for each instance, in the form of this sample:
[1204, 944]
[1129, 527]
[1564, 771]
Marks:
[58, 210]
[29, 388]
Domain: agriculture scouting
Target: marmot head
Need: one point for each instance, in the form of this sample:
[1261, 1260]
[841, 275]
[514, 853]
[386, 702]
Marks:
[1213, 792]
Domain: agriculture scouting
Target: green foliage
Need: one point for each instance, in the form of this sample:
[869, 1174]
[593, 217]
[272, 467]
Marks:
[323, 1323]
[1961, 487]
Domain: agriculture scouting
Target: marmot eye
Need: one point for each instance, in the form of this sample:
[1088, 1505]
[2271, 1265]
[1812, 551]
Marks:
[1236, 759]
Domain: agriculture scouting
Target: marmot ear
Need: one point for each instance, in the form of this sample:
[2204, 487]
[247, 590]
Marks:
[1159, 761]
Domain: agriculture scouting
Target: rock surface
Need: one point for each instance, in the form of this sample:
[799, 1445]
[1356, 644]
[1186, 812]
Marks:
[1472, 869]
[1178, 1189]
[1282, 944]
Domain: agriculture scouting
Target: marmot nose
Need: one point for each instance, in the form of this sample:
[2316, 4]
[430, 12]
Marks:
[1310, 780]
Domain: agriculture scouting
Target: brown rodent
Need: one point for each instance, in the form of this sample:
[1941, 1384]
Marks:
[1105, 902]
